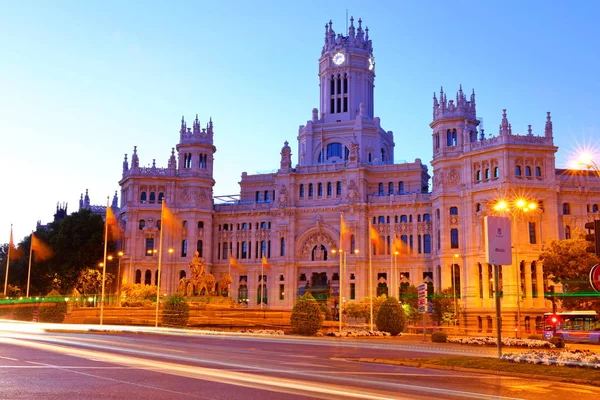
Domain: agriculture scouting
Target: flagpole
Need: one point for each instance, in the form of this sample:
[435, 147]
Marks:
[229, 286]
[262, 286]
[371, 274]
[104, 263]
[29, 270]
[162, 228]
[341, 305]
[10, 244]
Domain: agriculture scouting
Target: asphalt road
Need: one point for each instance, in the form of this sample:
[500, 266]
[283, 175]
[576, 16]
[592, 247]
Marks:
[37, 365]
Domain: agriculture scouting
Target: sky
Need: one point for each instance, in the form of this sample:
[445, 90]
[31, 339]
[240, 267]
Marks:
[81, 83]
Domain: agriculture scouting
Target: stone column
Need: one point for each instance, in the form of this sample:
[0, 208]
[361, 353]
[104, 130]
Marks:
[540, 302]
[528, 302]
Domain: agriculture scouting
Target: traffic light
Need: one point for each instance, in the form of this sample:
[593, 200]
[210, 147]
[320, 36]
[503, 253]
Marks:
[593, 237]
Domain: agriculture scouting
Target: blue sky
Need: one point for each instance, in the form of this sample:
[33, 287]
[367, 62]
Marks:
[81, 83]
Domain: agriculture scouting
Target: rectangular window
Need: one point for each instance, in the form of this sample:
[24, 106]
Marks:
[427, 243]
[532, 238]
[281, 292]
[184, 248]
[480, 281]
[345, 104]
[454, 238]
[225, 251]
[534, 291]
[149, 246]
[199, 247]
[352, 291]
[244, 250]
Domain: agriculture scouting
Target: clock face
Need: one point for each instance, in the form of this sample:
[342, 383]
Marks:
[339, 58]
[371, 63]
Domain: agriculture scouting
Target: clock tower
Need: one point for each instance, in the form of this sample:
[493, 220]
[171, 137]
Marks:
[345, 131]
[346, 73]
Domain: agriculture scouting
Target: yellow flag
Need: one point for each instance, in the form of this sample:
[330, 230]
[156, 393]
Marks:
[265, 263]
[232, 262]
[169, 221]
[344, 232]
[398, 246]
[41, 251]
[13, 252]
[112, 225]
[374, 236]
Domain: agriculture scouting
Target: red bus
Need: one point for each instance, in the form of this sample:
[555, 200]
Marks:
[573, 326]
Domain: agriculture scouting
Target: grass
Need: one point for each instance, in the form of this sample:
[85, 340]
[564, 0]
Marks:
[494, 364]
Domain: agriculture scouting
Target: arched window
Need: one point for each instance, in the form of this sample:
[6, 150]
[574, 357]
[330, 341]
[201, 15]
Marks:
[152, 197]
[538, 172]
[595, 208]
[138, 276]
[244, 253]
[184, 224]
[142, 224]
[200, 224]
[282, 247]
[352, 244]
[426, 217]
[478, 175]
[518, 170]
[401, 187]
[319, 189]
[567, 232]
[329, 189]
[496, 172]
[310, 190]
[487, 173]
[243, 294]
[267, 196]
[528, 171]
[257, 196]
[338, 188]
[143, 198]
[261, 291]
[390, 188]
[381, 189]
[381, 220]
[301, 190]
[148, 277]
[453, 210]
[182, 274]
[566, 209]
[161, 197]
[403, 218]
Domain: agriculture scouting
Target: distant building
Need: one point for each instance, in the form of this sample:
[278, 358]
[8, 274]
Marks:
[345, 164]
[84, 204]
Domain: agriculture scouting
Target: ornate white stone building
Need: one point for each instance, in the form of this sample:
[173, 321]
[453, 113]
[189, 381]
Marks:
[345, 165]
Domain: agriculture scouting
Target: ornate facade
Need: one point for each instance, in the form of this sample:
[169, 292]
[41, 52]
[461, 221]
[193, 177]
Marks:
[346, 165]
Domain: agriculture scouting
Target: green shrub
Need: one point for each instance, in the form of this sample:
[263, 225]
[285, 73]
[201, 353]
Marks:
[439, 337]
[137, 295]
[53, 308]
[326, 312]
[24, 311]
[558, 341]
[391, 317]
[176, 311]
[306, 316]
[534, 337]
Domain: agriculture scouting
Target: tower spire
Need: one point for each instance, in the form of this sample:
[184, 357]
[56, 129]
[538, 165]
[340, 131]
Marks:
[548, 128]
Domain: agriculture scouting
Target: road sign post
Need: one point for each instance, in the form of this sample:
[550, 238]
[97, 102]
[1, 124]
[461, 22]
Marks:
[422, 304]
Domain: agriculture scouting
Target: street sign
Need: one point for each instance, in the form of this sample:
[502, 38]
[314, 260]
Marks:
[498, 244]
[595, 277]
[422, 299]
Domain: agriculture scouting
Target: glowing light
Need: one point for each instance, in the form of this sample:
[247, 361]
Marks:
[501, 205]
[120, 254]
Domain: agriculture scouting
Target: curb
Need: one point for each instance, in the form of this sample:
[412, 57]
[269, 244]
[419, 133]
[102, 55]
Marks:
[480, 371]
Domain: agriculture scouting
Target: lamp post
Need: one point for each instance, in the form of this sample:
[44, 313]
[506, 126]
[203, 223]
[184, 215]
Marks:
[120, 254]
[515, 209]
[395, 278]
[455, 316]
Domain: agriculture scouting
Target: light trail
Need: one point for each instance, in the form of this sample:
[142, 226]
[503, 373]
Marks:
[285, 385]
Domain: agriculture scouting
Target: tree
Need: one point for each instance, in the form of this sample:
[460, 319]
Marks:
[391, 317]
[567, 262]
[443, 304]
[176, 311]
[306, 316]
[77, 242]
[410, 298]
[362, 309]
[90, 281]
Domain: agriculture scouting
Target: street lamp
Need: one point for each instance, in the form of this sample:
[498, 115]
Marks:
[514, 209]
[395, 281]
[586, 160]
